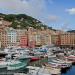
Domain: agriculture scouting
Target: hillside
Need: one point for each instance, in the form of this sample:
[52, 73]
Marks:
[23, 21]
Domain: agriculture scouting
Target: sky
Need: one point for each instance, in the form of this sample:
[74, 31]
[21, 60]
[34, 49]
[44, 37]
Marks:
[59, 14]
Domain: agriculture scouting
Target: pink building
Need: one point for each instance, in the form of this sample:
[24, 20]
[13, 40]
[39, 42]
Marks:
[23, 41]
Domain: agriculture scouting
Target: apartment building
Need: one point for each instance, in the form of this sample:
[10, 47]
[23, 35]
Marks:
[4, 39]
[46, 37]
[68, 39]
[24, 41]
[11, 37]
[20, 33]
[31, 37]
[54, 39]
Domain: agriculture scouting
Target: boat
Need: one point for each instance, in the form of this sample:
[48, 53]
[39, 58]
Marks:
[16, 65]
[37, 71]
[12, 64]
[60, 63]
[34, 59]
[2, 63]
[63, 62]
[21, 56]
[32, 70]
[52, 70]
[44, 70]
[18, 62]
[71, 58]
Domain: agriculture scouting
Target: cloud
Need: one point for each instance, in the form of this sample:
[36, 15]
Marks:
[35, 8]
[23, 6]
[71, 11]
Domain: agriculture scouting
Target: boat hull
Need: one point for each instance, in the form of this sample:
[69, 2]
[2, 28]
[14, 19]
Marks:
[34, 59]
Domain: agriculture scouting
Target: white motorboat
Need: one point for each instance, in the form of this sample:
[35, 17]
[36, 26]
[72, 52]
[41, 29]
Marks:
[2, 63]
[59, 63]
[38, 71]
[53, 70]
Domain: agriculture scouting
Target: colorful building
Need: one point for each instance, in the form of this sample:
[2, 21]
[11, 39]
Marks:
[31, 37]
[46, 37]
[20, 33]
[24, 41]
[11, 37]
[68, 40]
[39, 37]
[4, 39]
[54, 39]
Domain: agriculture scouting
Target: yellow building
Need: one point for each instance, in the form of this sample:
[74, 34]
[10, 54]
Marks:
[41, 37]
[54, 39]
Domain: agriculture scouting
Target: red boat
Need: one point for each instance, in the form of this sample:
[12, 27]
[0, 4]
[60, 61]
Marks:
[34, 59]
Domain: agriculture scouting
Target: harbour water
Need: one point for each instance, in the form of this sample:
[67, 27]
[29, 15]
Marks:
[70, 71]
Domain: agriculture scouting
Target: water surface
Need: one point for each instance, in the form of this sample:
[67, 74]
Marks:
[71, 71]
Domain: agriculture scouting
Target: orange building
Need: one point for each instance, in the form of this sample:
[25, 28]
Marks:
[68, 39]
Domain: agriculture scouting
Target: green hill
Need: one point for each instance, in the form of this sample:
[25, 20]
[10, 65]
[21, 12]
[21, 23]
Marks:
[23, 21]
